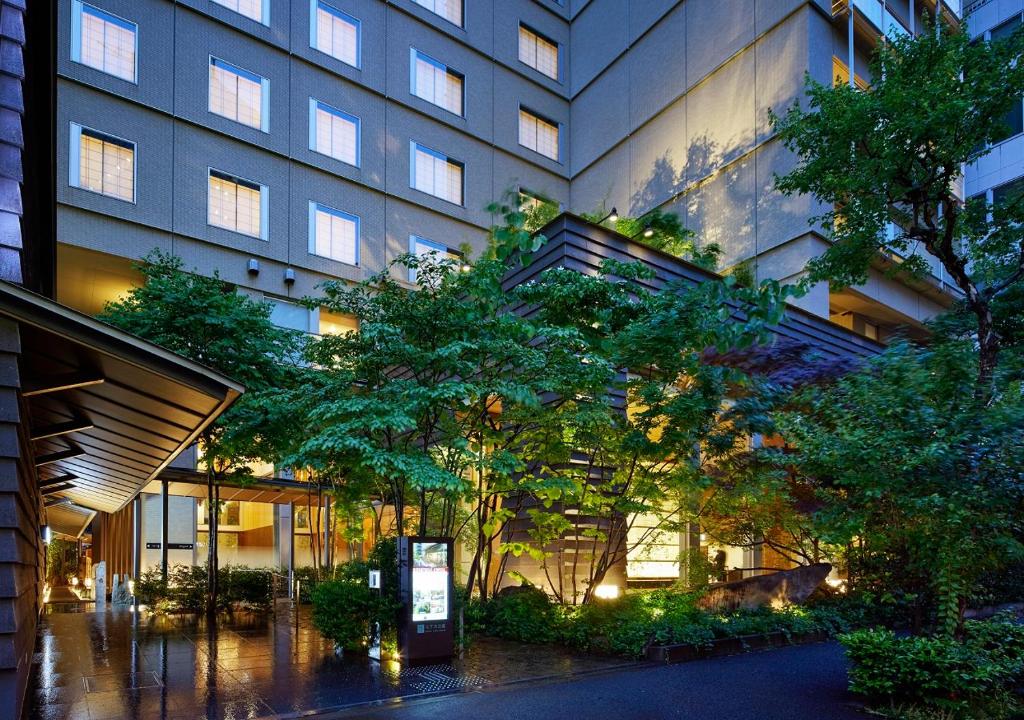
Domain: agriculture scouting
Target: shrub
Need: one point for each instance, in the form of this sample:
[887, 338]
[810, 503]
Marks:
[938, 672]
[526, 614]
[151, 587]
[251, 588]
[343, 610]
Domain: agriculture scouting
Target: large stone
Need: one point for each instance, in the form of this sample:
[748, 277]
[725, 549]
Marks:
[786, 587]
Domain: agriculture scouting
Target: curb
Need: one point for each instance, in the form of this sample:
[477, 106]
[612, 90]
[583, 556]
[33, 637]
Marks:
[723, 647]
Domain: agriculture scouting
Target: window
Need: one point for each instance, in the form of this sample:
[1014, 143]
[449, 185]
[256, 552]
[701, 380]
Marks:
[102, 163]
[1014, 119]
[238, 205]
[538, 134]
[333, 32]
[239, 95]
[103, 41]
[258, 10]
[333, 234]
[1008, 192]
[538, 52]
[450, 10]
[333, 132]
[841, 75]
[436, 83]
[436, 174]
[289, 315]
[421, 247]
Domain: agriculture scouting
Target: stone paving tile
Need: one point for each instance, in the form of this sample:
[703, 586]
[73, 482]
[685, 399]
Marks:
[116, 664]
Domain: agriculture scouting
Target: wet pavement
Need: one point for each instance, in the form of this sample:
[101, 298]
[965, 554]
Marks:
[99, 664]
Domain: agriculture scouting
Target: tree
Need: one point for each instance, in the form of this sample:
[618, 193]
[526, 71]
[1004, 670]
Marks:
[205, 319]
[921, 485]
[894, 154]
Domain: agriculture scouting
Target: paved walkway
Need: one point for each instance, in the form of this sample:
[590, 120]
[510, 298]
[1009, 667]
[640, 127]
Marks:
[795, 683]
[93, 665]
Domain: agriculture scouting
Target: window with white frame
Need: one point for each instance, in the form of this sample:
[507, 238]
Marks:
[538, 134]
[334, 32]
[436, 174]
[423, 248]
[239, 95]
[237, 204]
[103, 41]
[102, 163]
[258, 10]
[435, 82]
[333, 234]
[333, 133]
[538, 52]
[450, 10]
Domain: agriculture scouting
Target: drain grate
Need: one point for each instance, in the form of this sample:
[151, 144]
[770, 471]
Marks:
[435, 678]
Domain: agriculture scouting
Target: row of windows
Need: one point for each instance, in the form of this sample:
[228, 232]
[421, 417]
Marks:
[105, 164]
[1014, 120]
[109, 43]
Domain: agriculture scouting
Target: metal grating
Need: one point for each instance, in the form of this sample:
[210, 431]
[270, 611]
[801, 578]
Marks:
[437, 678]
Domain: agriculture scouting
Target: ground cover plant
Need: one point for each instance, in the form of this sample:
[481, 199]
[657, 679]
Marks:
[185, 589]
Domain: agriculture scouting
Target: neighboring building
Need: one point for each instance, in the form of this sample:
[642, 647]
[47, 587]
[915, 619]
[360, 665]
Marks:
[1002, 170]
[284, 142]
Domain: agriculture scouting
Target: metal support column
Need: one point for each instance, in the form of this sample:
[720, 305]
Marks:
[291, 554]
[137, 537]
[913, 19]
[164, 534]
[849, 42]
[327, 534]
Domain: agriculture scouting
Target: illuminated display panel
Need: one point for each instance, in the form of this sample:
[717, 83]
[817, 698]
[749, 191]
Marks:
[429, 581]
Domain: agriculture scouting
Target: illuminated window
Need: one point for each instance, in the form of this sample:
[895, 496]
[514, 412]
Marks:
[333, 133]
[423, 248]
[538, 52]
[258, 10]
[103, 41]
[450, 10]
[538, 134]
[333, 234]
[238, 205]
[102, 163]
[334, 32]
[336, 324]
[436, 83]
[436, 174]
[239, 95]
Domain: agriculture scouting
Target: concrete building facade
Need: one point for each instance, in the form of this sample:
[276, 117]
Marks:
[338, 134]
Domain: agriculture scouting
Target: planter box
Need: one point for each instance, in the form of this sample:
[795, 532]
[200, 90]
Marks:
[730, 646]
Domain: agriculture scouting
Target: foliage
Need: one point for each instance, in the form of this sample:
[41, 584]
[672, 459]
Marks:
[630, 624]
[346, 610]
[894, 154]
[208, 321]
[185, 589]
[920, 484]
[937, 671]
[61, 561]
[664, 231]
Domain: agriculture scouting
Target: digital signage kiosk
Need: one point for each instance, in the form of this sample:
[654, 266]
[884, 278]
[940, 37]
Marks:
[426, 629]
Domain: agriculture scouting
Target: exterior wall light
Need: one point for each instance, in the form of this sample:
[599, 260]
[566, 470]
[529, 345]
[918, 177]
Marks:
[613, 216]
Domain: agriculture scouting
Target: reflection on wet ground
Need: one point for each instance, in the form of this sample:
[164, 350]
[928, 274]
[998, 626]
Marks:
[93, 665]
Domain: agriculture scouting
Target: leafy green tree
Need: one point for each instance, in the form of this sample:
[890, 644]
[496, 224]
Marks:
[895, 154]
[206, 319]
[921, 485]
[630, 452]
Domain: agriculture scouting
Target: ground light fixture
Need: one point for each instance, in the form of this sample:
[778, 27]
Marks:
[606, 592]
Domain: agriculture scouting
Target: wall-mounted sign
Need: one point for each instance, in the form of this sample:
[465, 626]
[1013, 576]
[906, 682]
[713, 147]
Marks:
[152, 546]
[170, 546]
[374, 581]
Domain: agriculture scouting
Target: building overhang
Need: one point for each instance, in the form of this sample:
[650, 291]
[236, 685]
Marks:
[104, 411]
[190, 483]
[583, 246]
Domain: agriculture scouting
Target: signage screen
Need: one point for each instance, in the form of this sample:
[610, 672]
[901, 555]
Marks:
[429, 581]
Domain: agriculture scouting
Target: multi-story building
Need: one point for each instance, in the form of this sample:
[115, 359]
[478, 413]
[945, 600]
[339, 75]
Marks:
[285, 142]
[1002, 170]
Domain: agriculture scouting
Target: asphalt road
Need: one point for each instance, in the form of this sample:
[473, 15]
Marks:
[806, 682]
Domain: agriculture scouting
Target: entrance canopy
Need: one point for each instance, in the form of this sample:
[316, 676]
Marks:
[266, 490]
[107, 411]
